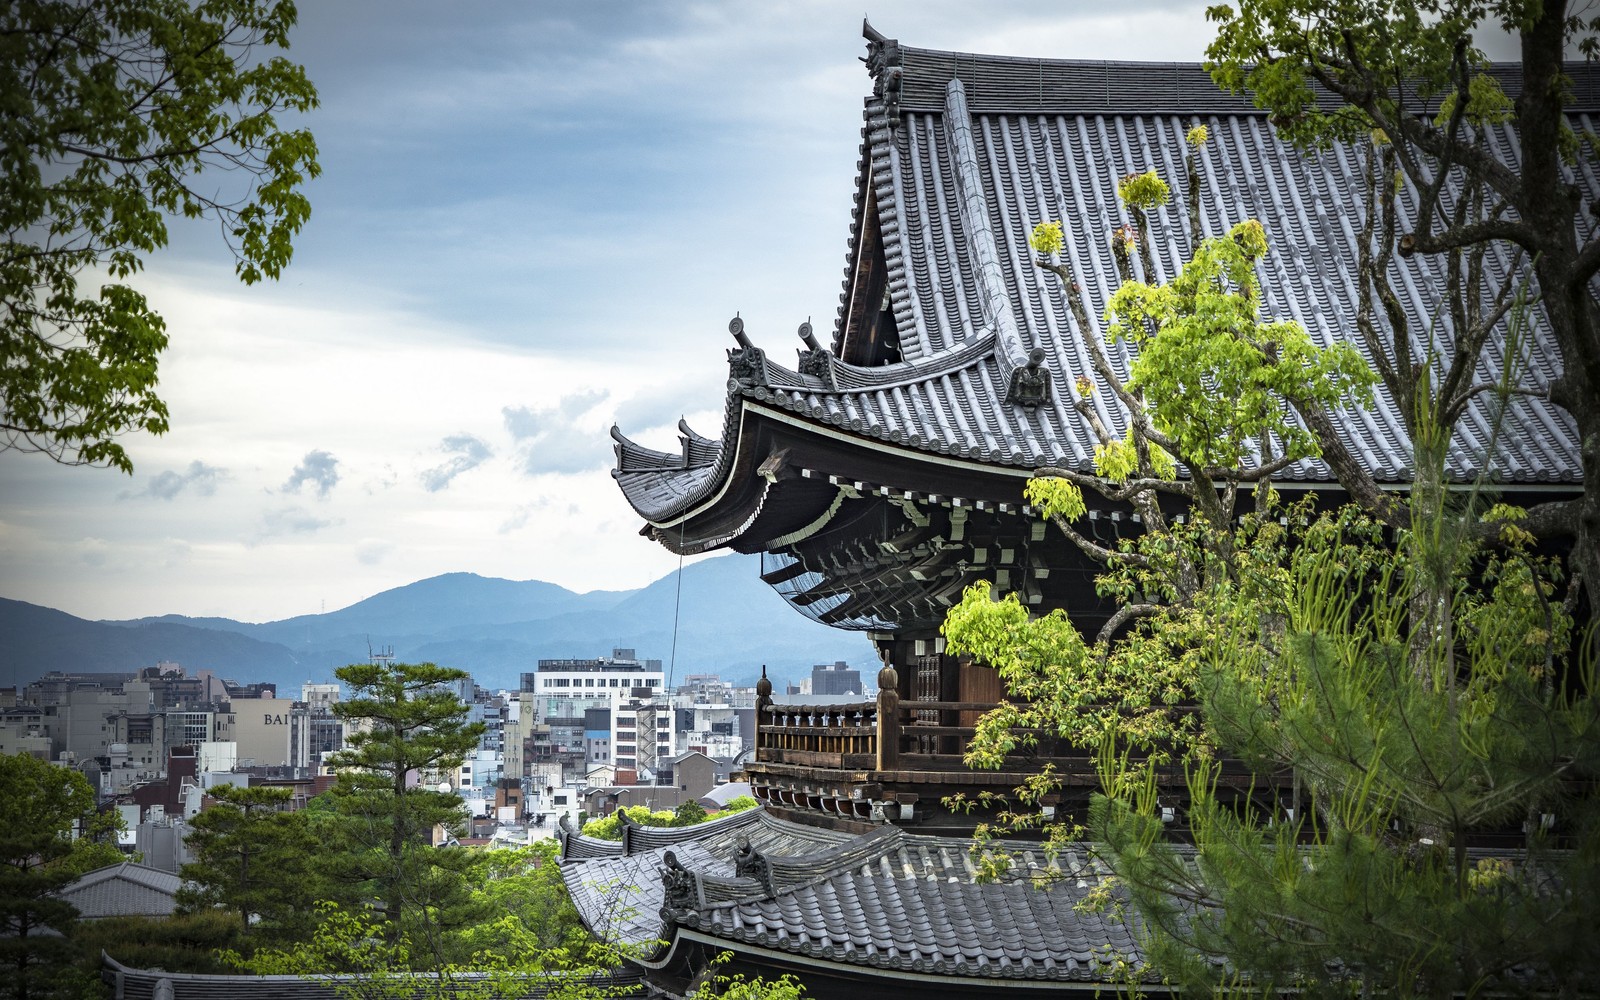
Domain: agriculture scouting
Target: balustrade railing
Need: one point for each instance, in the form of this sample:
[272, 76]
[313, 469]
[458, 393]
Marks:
[890, 735]
[839, 736]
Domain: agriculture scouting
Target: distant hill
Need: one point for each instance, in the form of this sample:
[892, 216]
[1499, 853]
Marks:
[729, 623]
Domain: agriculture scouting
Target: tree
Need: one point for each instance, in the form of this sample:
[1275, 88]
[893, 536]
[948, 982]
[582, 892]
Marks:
[119, 114]
[525, 883]
[1207, 403]
[349, 953]
[610, 827]
[53, 833]
[405, 726]
[1410, 75]
[1406, 750]
[1412, 726]
[253, 856]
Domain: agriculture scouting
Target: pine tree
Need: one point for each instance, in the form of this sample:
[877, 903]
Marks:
[52, 834]
[253, 856]
[404, 725]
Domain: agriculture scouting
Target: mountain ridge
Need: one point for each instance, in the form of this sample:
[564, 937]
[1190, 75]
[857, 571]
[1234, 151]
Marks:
[727, 622]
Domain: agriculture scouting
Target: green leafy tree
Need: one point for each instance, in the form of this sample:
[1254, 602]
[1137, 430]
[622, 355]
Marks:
[405, 726]
[717, 982]
[1211, 390]
[610, 827]
[1409, 662]
[1406, 750]
[52, 834]
[1414, 90]
[688, 814]
[118, 115]
[525, 883]
[253, 855]
[350, 952]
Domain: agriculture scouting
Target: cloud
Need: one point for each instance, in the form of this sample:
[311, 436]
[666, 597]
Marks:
[385, 479]
[465, 451]
[290, 521]
[559, 439]
[199, 477]
[94, 551]
[320, 469]
[524, 423]
[658, 406]
[372, 551]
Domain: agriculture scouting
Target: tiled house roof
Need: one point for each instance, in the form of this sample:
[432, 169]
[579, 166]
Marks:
[128, 983]
[962, 154]
[126, 889]
[885, 901]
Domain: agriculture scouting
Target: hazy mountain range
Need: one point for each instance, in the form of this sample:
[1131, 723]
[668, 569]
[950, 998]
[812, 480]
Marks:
[729, 623]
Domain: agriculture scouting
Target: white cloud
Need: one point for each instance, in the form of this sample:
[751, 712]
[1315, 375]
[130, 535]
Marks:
[564, 438]
[372, 551]
[319, 469]
[290, 521]
[466, 453]
[93, 552]
[199, 477]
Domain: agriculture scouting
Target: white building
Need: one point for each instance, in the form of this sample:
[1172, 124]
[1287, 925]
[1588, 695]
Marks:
[621, 685]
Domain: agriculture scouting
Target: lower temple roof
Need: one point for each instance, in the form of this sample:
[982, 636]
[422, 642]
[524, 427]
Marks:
[886, 900]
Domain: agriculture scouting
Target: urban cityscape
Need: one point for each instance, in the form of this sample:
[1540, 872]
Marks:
[576, 740]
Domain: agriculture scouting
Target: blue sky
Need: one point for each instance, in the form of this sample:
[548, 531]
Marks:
[534, 220]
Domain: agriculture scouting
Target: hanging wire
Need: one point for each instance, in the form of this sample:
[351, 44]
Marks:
[677, 605]
[672, 660]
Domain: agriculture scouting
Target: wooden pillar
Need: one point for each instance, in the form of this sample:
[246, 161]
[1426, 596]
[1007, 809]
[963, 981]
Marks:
[888, 718]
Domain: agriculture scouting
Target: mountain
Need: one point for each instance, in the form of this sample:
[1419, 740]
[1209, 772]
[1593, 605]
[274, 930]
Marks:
[728, 622]
[35, 640]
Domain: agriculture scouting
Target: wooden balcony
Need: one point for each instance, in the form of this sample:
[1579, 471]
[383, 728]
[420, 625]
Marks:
[855, 765]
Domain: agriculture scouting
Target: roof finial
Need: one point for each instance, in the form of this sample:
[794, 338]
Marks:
[736, 327]
[809, 337]
[885, 62]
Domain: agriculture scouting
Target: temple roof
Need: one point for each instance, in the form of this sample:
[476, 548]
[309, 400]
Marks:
[885, 900]
[962, 155]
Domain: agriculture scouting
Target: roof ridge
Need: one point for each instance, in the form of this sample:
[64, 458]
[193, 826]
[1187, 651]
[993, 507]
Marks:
[848, 378]
[1022, 84]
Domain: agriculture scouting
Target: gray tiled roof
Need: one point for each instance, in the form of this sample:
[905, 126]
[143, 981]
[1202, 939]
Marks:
[962, 172]
[885, 899]
[129, 983]
[126, 889]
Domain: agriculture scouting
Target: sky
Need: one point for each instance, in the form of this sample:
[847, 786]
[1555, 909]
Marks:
[533, 221]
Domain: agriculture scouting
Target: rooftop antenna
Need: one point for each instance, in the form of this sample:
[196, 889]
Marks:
[384, 656]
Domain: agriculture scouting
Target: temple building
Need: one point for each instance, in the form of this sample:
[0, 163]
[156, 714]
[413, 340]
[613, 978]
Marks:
[880, 472]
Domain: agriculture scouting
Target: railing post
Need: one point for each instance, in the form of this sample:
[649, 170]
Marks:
[763, 704]
[888, 719]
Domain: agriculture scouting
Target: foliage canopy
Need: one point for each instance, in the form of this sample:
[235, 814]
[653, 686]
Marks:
[118, 115]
